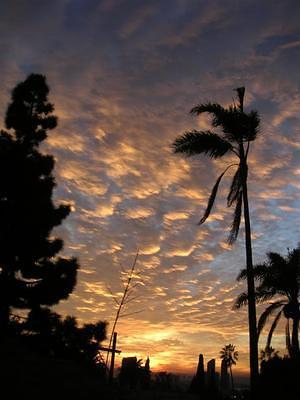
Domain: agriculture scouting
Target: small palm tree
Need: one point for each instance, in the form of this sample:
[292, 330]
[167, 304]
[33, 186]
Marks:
[239, 130]
[230, 357]
[278, 278]
[268, 354]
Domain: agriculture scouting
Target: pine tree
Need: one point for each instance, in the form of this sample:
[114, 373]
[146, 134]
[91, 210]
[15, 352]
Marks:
[31, 272]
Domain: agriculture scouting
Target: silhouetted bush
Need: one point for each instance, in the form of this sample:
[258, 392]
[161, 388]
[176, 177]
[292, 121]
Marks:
[279, 379]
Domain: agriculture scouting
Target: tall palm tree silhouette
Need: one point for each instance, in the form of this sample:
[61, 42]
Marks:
[279, 278]
[239, 129]
[230, 356]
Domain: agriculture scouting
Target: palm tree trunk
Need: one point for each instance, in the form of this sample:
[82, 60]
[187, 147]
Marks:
[232, 383]
[4, 320]
[295, 337]
[253, 337]
[4, 303]
[250, 284]
[288, 338]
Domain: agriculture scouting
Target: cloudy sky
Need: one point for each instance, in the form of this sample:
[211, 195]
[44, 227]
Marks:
[123, 76]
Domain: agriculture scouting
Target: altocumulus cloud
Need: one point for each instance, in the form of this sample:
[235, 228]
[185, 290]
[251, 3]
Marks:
[123, 76]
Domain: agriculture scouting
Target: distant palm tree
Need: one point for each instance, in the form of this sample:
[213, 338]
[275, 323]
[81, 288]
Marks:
[230, 357]
[268, 353]
[278, 278]
[239, 130]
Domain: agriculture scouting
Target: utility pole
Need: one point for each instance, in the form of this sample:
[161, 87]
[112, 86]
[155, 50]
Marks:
[112, 361]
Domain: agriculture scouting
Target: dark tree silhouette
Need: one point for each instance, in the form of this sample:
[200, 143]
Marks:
[32, 273]
[268, 354]
[52, 335]
[278, 278]
[239, 130]
[279, 379]
[131, 372]
[230, 356]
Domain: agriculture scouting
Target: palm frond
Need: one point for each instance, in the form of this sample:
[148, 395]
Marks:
[273, 327]
[234, 122]
[253, 126]
[212, 198]
[197, 142]
[258, 272]
[215, 109]
[241, 93]
[227, 119]
[234, 188]
[266, 314]
[276, 259]
[241, 300]
[242, 275]
[236, 220]
[263, 295]
[294, 257]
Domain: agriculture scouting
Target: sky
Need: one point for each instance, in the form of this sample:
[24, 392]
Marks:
[123, 75]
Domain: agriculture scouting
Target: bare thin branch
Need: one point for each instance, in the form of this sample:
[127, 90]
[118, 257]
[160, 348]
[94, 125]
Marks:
[112, 295]
[132, 313]
[129, 300]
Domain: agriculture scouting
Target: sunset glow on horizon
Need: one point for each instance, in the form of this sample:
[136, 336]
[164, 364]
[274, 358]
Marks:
[123, 76]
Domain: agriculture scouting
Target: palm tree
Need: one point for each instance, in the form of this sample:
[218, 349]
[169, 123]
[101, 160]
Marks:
[230, 357]
[268, 354]
[278, 278]
[239, 129]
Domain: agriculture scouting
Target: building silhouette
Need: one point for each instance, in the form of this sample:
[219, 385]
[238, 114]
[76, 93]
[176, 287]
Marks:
[225, 383]
[200, 375]
[210, 383]
[211, 376]
[198, 382]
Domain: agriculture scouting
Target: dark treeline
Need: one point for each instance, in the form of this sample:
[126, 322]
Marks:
[52, 335]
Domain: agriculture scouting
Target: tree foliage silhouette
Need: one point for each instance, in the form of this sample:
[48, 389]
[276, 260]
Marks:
[279, 378]
[62, 337]
[230, 356]
[32, 273]
[268, 354]
[133, 372]
[239, 129]
[278, 277]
